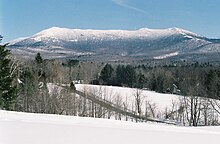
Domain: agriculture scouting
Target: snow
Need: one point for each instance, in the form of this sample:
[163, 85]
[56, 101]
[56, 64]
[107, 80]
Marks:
[28, 128]
[167, 55]
[75, 35]
[97, 42]
[17, 40]
[19, 81]
[161, 101]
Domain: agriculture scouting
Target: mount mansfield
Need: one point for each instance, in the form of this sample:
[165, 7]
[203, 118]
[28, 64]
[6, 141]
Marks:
[171, 43]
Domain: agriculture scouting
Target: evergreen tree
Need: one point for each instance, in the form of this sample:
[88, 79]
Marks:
[126, 76]
[140, 80]
[120, 75]
[159, 83]
[153, 82]
[7, 91]
[213, 83]
[107, 74]
[38, 58]
[130, 76]
[39, 67]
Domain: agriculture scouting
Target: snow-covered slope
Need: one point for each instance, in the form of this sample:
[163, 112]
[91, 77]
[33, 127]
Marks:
[127, 95]
[75, 35]
[58, 42]
[26, 128]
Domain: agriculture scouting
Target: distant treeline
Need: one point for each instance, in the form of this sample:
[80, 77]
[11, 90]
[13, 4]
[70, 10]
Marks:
[188, 79]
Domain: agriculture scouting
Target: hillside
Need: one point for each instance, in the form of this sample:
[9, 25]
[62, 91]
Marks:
[103, 45]
[26, 128]
[149, 105]
[127, 95]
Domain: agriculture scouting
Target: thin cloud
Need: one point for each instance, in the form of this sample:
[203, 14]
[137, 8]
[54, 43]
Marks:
[124, 4]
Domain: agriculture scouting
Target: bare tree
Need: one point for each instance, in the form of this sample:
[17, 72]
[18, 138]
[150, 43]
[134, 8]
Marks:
[138, 100]
[150, 109]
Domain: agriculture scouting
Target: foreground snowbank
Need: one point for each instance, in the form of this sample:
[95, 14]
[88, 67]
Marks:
[24, 128]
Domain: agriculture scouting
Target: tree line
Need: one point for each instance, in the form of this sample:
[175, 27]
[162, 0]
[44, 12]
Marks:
[200, 80]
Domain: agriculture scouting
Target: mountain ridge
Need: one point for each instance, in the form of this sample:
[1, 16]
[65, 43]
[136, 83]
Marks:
[56, 31]
[57, 42]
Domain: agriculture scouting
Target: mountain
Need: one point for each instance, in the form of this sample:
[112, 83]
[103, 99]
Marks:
[144, 43]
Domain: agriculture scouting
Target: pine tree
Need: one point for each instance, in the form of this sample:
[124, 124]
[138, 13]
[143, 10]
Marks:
[130, 76]
[7, 91]
[107, 74]
[140, 80]
[120, 75]
[38, 58]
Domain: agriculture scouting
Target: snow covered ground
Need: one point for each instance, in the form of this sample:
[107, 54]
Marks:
[159, 100]
[28, 128]
[24, 128]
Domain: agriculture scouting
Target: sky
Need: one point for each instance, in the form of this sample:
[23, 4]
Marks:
[22, 18]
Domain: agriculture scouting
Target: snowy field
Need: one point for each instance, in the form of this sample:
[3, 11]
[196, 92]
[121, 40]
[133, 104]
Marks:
[24, 128]
[163, 107]
[160, 101]
[27, 128]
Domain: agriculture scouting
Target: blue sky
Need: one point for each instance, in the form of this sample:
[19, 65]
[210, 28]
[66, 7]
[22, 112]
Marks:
[20, 18]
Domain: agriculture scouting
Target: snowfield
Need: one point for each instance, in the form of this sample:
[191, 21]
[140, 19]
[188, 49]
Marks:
[127, 95]
[28, 128]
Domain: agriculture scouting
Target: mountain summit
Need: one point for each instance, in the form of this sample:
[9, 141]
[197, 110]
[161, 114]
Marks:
[144, 43]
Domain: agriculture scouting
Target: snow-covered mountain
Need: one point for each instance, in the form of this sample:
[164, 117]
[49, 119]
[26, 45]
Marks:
[144, 43]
